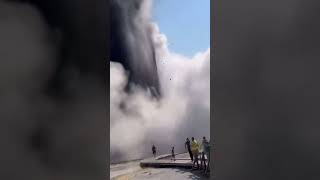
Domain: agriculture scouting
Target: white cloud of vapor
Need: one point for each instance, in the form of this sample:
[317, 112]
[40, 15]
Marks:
[138, 120]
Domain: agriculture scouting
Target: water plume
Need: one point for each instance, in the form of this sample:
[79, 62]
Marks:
[131, 42]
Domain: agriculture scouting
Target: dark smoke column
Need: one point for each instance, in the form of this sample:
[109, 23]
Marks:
[131, 43]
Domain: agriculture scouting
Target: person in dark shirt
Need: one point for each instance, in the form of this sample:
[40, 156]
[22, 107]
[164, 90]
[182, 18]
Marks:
[187, 146]
[173, 155]
[154, 151]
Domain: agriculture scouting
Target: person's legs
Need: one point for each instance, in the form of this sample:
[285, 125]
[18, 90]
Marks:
[190, 153]
[208, 166]
[196, 160]
[201, 160]
[198, 165]
[204, 161]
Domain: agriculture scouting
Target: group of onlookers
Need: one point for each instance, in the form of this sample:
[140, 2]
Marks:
[197, 151]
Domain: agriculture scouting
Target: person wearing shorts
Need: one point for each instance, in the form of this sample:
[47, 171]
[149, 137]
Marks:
[195, 152]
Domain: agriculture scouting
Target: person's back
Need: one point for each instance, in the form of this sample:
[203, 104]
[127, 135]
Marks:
[172, 153]
[194, 145]
[195, 151]
[154, 151]
[204, 145]
[187, 146]
[204, 152]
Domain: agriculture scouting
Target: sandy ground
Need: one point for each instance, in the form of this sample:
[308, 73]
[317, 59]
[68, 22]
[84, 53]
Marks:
[133, 171]
[162, 174]
[124, 168]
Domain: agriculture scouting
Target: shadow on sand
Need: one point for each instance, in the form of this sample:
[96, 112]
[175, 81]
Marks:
[195, 174]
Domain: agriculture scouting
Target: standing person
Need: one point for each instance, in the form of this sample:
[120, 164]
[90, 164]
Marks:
[204, 153]
[208, 149]
[187, 146]
[154, 151]
[173, 155]
[195, 152]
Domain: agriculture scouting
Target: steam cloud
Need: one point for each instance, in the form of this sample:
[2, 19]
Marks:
[138, 120]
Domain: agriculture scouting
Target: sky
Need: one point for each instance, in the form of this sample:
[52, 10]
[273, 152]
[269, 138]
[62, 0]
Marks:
[186, 23]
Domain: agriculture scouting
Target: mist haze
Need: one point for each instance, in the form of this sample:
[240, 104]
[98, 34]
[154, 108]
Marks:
[138, 119]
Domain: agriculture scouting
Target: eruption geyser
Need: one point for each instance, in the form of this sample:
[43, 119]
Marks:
[131, 42]
[137, 119]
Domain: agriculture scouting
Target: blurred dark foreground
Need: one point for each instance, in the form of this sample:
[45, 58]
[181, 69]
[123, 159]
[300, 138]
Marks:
[266, 91]
[53, 89]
